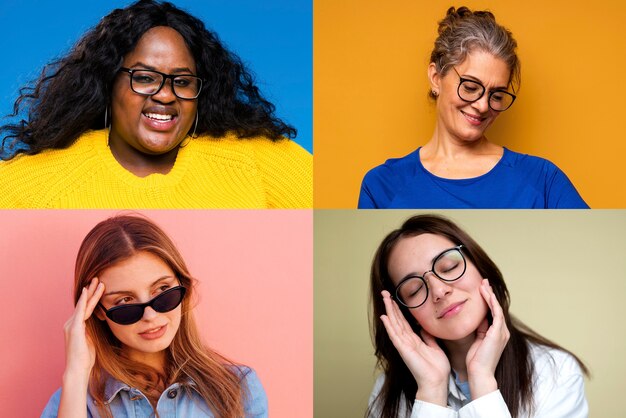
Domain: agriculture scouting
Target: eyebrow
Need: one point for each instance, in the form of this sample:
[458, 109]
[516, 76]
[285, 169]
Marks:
[432, 261]
[150, 67]
[471, 77]
[126, 292]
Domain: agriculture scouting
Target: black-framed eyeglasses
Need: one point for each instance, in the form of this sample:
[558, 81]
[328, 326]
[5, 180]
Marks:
[448, 266]
[150, 82]
[133, 312]
[471, 91]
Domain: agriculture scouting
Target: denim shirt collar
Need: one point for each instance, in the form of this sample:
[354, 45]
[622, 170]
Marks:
[112, 388]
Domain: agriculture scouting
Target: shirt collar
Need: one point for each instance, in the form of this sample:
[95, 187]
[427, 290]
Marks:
[112, 388]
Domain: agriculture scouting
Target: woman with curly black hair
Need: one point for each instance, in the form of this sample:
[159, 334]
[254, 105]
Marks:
[150, 110]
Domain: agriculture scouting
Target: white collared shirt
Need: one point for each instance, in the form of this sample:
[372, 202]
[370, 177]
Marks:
[558, 392]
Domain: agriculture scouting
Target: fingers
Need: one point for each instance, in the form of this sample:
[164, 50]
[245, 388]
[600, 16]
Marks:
[398, 329]
[95, 293]
[499, 324]
[395, 315]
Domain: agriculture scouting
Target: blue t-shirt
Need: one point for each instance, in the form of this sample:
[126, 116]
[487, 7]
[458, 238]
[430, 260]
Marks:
[517, 181]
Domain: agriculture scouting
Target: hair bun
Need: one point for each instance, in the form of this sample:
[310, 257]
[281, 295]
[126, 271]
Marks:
[454, 15]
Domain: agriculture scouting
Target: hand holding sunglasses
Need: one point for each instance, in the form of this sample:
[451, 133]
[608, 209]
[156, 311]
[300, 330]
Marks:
[132, 312]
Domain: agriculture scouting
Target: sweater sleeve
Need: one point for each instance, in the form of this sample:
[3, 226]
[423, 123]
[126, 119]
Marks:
[287, 171]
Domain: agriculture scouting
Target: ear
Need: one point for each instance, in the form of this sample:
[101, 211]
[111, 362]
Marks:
[434, 78]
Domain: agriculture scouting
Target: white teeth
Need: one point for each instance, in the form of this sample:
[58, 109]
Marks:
[158, 116]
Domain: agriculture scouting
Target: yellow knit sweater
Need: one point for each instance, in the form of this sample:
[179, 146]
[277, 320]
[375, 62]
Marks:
[208, 173]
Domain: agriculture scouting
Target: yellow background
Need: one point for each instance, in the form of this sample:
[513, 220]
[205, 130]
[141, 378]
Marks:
[370, 90]
[565, 271]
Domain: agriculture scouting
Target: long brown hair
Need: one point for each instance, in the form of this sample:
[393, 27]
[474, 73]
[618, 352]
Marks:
[515, 369]
[215, 378]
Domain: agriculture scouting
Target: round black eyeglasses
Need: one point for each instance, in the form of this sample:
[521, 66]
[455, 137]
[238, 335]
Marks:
[149, 83]
[133, 312]
[448, 266]
[471, 91]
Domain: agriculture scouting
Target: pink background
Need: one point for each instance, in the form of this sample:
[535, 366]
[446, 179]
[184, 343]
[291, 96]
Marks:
[255, 278]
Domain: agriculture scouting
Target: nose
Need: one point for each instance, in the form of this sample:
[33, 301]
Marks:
[165, 93]
[482, 104]
[149, 313]
[438, 288]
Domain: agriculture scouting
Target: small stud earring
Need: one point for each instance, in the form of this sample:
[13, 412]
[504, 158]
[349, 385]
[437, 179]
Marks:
[435, 93]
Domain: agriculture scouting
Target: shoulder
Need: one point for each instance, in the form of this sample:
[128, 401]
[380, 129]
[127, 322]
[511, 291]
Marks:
[551, 362]
[530, 163]
[545, 177]
[52, 407]
[394, 167]
[558, 384]
[284, 168]
[382, 183]
[27, 176]
[255, 399]
[253, 149]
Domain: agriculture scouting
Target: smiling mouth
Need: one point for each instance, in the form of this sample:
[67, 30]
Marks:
[452, 309]
[473, 119]
[159, 117]
[153, 330]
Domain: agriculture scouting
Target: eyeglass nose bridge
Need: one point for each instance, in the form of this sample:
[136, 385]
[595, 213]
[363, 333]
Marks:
[164, 78]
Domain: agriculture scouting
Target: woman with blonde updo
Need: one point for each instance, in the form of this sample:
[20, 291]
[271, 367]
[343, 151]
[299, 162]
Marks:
[474, 75]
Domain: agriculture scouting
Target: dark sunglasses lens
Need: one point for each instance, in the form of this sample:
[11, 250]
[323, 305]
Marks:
[126, 315]
[168, 300]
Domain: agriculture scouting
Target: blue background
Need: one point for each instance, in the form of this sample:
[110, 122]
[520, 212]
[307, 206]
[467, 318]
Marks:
[272, 37]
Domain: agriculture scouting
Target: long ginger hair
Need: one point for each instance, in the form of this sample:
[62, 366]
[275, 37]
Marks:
[187, 359]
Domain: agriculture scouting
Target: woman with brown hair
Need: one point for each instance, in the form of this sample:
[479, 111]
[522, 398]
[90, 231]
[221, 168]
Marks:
[132, 346]
[446, 341]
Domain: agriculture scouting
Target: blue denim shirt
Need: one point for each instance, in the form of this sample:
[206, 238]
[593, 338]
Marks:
[175, 401]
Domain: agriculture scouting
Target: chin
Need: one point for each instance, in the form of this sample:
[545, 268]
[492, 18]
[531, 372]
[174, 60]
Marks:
[158, 146]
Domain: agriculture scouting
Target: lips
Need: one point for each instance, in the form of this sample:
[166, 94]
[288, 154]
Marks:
[452, 309]
[473, 119]
[159, 118]
[153, 333]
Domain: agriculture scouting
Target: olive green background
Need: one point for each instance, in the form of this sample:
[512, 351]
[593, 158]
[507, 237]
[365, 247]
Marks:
[565, 270]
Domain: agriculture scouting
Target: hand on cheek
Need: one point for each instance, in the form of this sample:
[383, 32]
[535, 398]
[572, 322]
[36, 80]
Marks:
[423, 356]
[484, 354]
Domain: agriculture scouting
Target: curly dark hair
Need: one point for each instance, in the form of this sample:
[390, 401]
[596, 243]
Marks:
[72, 93]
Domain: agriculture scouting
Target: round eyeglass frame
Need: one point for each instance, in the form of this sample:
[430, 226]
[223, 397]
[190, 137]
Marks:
[491, 93]
[432, 270]
[164, 76]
